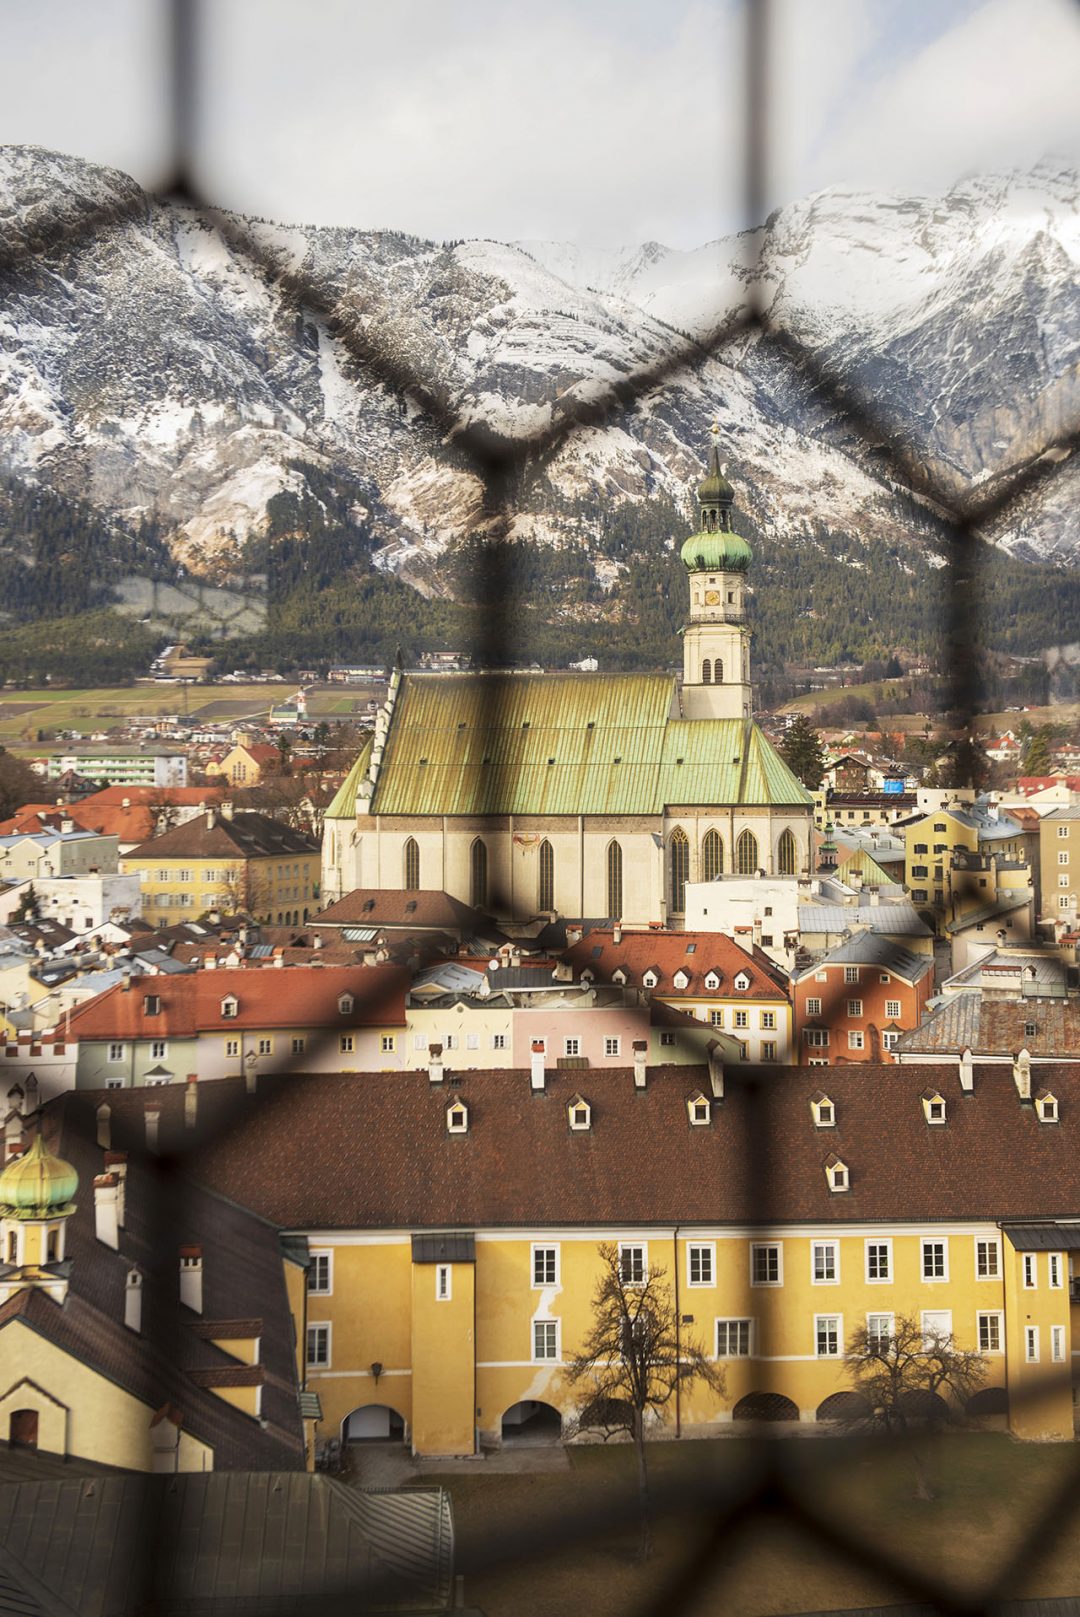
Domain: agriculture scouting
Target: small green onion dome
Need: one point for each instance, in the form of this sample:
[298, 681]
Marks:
[37, 1184]
[715, 489]
[720, 552]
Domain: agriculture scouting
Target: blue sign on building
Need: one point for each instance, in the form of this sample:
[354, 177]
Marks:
[893, 786]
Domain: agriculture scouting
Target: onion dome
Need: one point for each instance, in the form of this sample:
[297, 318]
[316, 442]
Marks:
[37, 1184]
[716, 553]
[715, 489]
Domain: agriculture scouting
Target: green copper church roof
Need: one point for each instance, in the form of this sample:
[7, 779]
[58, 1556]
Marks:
[716, 553]
[567, 744]
[343, 805]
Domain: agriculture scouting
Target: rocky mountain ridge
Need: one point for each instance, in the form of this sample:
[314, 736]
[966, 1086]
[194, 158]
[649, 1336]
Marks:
[152, 368]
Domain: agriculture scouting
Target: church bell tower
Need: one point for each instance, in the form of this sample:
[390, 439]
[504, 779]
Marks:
[716, 639]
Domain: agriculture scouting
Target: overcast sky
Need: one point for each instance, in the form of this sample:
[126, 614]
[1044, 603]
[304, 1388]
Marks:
[605, 121]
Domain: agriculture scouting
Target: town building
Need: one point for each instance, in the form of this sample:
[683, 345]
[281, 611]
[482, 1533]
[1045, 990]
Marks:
[1059, 865]
[121, 766]
[246, 764]
[947, 834]
[240, 1023]
[580, 794]
[734, 988]
[34, 855]
[227, 860]
[81, 903]
[763, 910]
[853, 1003]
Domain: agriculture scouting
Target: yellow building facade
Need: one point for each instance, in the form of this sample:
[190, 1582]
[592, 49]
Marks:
[228, 862]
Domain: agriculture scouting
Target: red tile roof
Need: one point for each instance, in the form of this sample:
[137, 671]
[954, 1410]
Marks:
[696, 953]
[299, 996]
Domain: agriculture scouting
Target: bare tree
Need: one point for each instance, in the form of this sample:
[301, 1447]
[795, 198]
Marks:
[908, 1379]
[633, 1361]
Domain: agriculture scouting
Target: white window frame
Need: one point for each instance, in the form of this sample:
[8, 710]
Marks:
[830, 1259]
[299, 1045]
[612, 1045]
[116, 1051]
[991, 1248]
[851, 974]
[1031, 1344]
[768, 1246]
[813, 1006]
[444, 1282]
[457, 1117]
[924, 1316]
[855, 1007]
[319, 1364]
[821, 1325]
[1062, 831]
[708, 1249]
[571, 1045]
[232, 1047]
[1054, 1271]
[1063, 857]
[856, 1040]
[387, 1043]
[727, 1323]
[324, 1255]
[742, 1019]
[1029, 1261]
[498, 1041]
[345, 1045]
[879, 1241]
[641, 1248]
[1057, 1344]
[993, 1319]
[925, 1244]
[894, 1009]
[872, 1335]
[472, 1041]
[159, 1049]
[540, 1252]
[266, 1046]
[551, 1331]
[420, 1041]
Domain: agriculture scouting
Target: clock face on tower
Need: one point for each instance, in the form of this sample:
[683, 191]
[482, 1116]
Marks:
[711, 597]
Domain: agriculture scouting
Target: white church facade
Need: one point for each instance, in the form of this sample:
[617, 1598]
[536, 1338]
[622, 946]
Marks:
[580, 794]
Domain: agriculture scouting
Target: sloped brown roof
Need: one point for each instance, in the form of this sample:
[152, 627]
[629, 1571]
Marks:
[666, 953]
[372, 1151]
[385, 906]
[248, 835]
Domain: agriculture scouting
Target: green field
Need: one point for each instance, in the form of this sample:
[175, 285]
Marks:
[23, 713]
[988, 1493]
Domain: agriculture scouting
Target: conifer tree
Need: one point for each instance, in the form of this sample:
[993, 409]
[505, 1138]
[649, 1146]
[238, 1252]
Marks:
[802, 751]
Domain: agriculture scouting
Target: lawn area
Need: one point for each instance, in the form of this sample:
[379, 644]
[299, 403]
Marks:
[988, 1495]
[23, 713]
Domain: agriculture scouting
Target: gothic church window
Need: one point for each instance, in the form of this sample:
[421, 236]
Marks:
[479, 874]
[787, 855]
[547, 877]
[746, 854]
[412, 866]
[712, 856]
[614, 881]
[680, 870]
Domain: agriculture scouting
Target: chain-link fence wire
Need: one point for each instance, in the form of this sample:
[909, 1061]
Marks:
[773, 1485]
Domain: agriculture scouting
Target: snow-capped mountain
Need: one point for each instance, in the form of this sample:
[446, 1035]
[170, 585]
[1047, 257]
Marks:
[153, 365]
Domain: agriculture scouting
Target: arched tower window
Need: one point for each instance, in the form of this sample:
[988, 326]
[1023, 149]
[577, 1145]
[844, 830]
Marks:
[712, 856]
[478, 870]
[718, 672]
[614, 880]
[412, 866]
[746, 854]
[546, 892]
[680, 870]
[787, 855]
[706, 672]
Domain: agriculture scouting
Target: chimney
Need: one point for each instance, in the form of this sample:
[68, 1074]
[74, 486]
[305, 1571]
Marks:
[641, 1055]
[1022, 1074]
[226, 811]
[616, 933]
[716, 1071]
[536, 1068]
[104, 1126]
[125, 802]
[756, 933]
[133, 1301]
[191, 1101]
[191, 1277]
[116, 1162]
[251, 1077]
[573, 935]
[967, 1072]
[211, 818]
[875, 895]
[435, 1063]
[106, 1211]
[317, 941]
[153, 1120]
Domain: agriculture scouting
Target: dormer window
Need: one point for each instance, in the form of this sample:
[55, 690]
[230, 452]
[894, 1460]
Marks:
[933, 1106]
[345, 1004]
[742, 982]
[681, 980]
[836, 1174]
[457, 1118]
[1046, 1106]
[712, 981]
[616, 977]
[152, 1004]
[650, 979]
[824, 1111]
[699, 1109]
[580, 1114]
[230, 1005]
